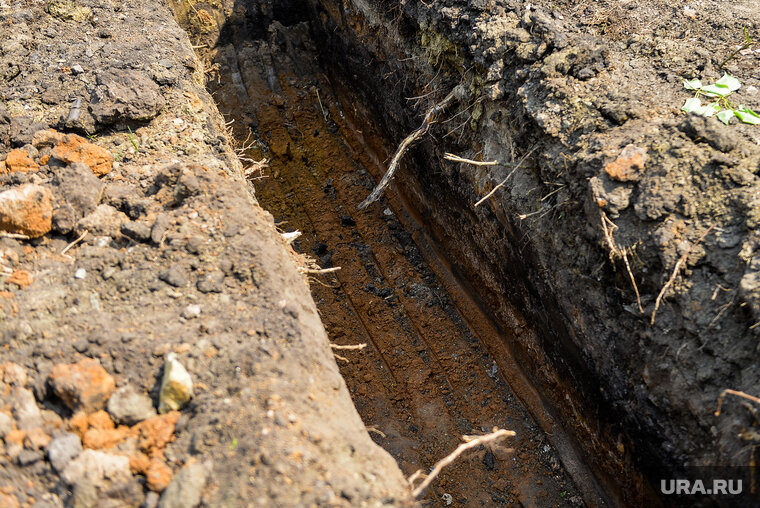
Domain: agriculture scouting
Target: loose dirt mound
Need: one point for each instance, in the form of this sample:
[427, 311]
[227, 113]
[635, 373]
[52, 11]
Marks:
[137, 239]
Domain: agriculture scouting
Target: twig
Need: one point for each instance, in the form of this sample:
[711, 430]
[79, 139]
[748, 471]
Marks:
[456, 158]
[17, 236]
[72, 244]
[320, 103]
[676, 269]
[747, 44]
[372, 428]
[341, 358]
[355, 347]
[318, 271]
[291, 236]
[472, 442]
[507, 178]
[633, 281]
[409, 141]
[728, 391]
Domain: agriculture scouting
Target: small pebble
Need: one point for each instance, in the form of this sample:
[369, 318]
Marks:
[191, 311]
[81, 273]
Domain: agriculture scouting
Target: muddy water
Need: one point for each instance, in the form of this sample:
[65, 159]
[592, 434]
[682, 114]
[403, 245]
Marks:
[432, 369]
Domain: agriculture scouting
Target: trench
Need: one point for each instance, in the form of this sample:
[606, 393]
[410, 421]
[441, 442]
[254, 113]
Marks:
[437, 363]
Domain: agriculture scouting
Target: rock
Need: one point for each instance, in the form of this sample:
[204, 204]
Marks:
[19, 160]
[175, 276]
[25, 410]
[211, 283]
[81, 273]
[73, 148]
[137, 231]
[22, 130]
[629, 165]
[96, 466]
[159, 228]
[6, 424]
[129, 407]
[47, 138]
[27, 457]
[63, 449]
[26, 210]
[151, 500]
[36, 439]
[13, 374]
[126, 494]
[84, 495]
[610, 196]
[79, 188]
[176, 386]
[155, 433]
[125, 96]
[104, 221]
[710, 131]
[68, 10]
[158, 475]
[191, 311]
[185, 489]
[84, 385]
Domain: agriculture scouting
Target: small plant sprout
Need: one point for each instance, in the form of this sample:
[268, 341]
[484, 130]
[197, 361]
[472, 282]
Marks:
[720, 106]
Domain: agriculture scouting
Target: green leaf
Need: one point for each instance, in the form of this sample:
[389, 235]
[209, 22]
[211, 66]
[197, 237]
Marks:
[725, 116]
[729, 81]
[692, 105]
[693, 84]
[723, 87]
[746, 115]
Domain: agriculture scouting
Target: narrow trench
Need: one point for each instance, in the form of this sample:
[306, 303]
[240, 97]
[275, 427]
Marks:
[432, 370]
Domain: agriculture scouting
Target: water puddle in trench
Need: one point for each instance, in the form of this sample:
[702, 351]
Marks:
[425, 377]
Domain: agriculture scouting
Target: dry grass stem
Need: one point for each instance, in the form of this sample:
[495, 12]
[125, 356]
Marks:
[737, 393]
[484, 198]
[471, 442]
[456, 158]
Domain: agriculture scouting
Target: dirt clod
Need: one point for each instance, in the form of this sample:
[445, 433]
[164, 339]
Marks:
[84, 386]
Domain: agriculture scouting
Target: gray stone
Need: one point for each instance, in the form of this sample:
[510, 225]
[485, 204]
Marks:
[151, 500]
[211, 282]
[85, 495]
[138, 231]
[63, 449]
[27, 457]
[159, 228]
[78, 186]
[97, 467]
[124, 96]
[6, 424]
[185, 489]
[25, 409]
[175, 276]
[129, 407]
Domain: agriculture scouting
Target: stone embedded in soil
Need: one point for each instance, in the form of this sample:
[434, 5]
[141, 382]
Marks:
[185, 489]
[129, 407]
[6, 424]
[26, 210]
[79, 188]
[73, 148]
[84, 385]
[63, 449]
[13, 374]
[97, 467]
[123, 95]
[104, 221]
[19, 160]
[176, 386]
[629, 165]
[175, 276]
[25, 409]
